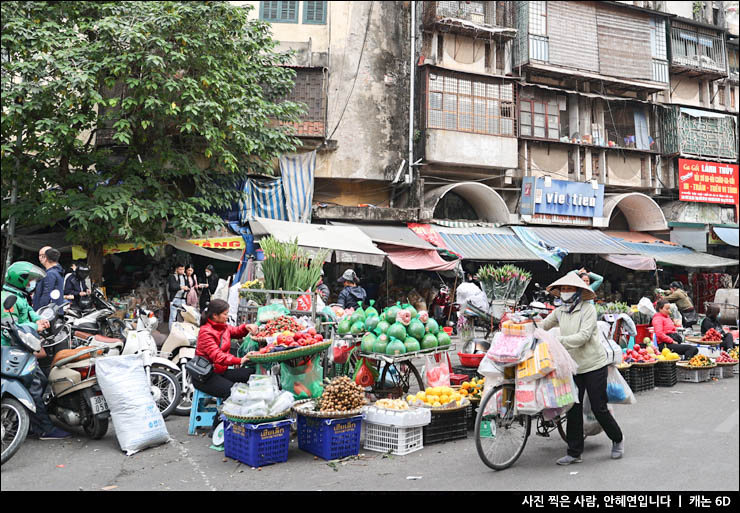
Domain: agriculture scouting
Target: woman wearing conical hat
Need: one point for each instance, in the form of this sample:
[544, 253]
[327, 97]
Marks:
[576, 318]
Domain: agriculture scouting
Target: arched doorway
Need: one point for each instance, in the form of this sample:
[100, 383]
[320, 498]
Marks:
[474, 200]
[639, 212]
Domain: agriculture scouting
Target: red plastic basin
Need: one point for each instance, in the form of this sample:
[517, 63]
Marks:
[448, 330]
[470, 360]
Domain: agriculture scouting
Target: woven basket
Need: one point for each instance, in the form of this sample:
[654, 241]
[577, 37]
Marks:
[685, 365]
[257, 420]
[307, 409]
[290, 354]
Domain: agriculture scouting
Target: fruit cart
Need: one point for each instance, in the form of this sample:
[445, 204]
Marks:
[287, 298]
[397, 371]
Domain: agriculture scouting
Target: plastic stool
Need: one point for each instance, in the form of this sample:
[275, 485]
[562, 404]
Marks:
[201, 415]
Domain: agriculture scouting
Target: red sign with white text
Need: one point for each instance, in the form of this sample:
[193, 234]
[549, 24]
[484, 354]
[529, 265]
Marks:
[708, 182]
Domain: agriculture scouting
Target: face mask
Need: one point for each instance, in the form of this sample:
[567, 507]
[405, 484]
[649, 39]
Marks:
[208, 273]
[31, 286]
[567, 296]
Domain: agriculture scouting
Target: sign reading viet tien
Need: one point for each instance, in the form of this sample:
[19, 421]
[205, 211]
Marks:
[555, 201]
[707, 182]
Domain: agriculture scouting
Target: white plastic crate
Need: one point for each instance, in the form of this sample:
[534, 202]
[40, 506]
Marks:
[413, 417]
[693, 375]
[394, 440]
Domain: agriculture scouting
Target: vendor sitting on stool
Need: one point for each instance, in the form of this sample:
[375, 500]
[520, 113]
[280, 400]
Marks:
[712, 322]
[665, 332]
[214, 343]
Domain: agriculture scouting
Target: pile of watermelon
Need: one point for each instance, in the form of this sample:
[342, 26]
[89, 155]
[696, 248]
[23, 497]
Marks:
[396, 330]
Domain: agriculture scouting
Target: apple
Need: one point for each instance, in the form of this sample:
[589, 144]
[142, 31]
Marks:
[646, 340]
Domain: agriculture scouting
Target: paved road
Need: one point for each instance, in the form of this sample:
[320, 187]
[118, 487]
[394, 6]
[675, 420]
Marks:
[680, 438]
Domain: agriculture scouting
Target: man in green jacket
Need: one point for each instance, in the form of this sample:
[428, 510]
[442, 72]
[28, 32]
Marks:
[580, 337]
[20, 280]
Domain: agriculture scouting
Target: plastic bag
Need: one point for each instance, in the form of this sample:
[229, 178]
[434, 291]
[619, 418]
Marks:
[303, 381]
[239, 393]
[564, 364]
[281, 403]
[267, 313]
[136, 419]
[340, 350]
[591, 426]
[611, 348]
[508, 348]
[617, 389]
[554, 391]
[493, 372]
[645, 307]
[537, 365]
[436, 374]
[526, 397]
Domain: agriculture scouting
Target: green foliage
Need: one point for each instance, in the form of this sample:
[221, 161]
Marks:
[187, 92]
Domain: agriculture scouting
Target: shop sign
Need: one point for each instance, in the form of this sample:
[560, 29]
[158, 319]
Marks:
[219, 243]
[708, 182]
[714, 239]
[561, 201]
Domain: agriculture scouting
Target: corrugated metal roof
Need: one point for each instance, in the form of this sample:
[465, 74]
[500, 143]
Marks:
[390, 234]
[579, 240]
[679, 255]
[478, 243]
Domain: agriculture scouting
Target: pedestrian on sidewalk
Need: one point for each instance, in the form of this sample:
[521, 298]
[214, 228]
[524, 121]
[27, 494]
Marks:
[177, 290]
[212, 282]
[576, 318]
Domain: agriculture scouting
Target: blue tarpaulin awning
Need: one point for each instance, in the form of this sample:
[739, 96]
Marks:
[679, 255]
[481, 243]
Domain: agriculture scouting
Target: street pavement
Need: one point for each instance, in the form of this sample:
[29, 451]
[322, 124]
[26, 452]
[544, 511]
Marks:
[682, 438]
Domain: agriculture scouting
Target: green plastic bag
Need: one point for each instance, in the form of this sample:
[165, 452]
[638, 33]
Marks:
[304, 381]
[247, 346]
[270, 312]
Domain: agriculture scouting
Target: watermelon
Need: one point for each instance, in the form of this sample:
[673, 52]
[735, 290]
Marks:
[443, 339]
[429, 341]
[397, 331]
[368, 340]
[395, 347]
[343, 327]
[412, 345]
[411, 309]
[382, 327]
[416, 329]
[370, 310]
[432, 326]
[390, 314]
[357, 328]
[404, 317]
[381, 343]
[371, 322]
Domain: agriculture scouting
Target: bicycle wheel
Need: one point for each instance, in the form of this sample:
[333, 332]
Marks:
[500, 434]
[401, 380]
[560, 423]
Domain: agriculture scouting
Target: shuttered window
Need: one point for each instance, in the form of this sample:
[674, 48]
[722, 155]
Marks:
[279, 12]
[314, 13]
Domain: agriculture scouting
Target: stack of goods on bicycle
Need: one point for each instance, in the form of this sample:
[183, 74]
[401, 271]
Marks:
[397, 330]
[258, 398]
[542, 367]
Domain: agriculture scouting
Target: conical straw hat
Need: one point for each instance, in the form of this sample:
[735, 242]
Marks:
[573, 281]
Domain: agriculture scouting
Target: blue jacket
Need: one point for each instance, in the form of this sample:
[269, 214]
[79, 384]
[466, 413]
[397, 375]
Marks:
[54, 280]
[350, 297]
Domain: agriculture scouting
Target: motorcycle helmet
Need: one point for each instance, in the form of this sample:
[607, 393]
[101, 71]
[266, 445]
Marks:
[24, 276]
[82, 272]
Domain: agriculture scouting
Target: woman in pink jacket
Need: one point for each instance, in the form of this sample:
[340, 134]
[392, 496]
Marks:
[665, 332]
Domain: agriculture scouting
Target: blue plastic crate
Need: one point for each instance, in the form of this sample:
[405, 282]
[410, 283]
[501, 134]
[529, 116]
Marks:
[330, 439]
[257, 445]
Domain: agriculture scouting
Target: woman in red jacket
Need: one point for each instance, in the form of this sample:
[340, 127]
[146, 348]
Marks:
[665, 332]
[214, 343]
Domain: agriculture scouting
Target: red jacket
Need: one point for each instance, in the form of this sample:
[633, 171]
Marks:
[208, 346]
[663, 325]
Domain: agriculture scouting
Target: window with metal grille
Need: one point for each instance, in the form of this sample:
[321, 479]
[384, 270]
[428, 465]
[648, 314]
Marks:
[538, 18]
[539, 118]
[279, 12]
[314, 13]
[309, 90]
[465, 104]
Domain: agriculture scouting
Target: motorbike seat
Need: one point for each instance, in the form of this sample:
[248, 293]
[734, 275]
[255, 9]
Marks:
[98, 338]
[83, 334]
[66, 353]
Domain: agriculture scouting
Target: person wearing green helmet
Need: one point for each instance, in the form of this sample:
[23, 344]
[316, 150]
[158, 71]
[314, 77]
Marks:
[20, 281]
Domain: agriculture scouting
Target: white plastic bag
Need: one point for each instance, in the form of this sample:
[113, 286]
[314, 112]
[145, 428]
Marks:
[436, 374]
[591, 426]
[239, 393]
[611, 348]
[617, 389]
[281, 403]
[508, 348]
[136, 418]
[526, 397]
[645, 307]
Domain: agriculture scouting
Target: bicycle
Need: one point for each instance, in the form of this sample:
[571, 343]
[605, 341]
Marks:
[501, 433]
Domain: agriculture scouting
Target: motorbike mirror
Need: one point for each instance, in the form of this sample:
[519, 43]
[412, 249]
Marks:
[9, 302]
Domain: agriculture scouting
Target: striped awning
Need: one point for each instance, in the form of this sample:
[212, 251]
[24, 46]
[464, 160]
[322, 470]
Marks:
[486, 244]
[578, 240]
[679, 255]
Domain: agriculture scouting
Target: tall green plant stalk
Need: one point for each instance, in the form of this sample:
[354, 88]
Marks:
[289, 267]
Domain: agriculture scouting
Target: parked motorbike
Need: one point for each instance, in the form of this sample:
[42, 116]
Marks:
[97, 319]
[73, 394]
[18, 364]
[179, 348]
[443, 309]
[161, 372]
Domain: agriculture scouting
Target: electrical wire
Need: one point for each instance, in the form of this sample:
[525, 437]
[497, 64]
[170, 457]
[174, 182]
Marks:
[357, 71]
